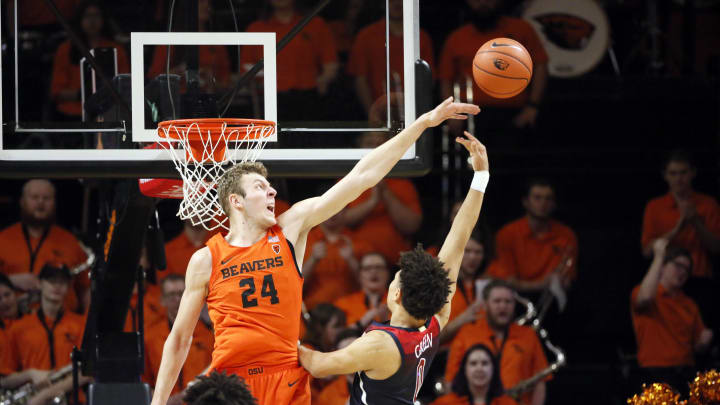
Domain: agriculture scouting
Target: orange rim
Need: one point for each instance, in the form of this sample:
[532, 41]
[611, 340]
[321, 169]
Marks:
[213, 126]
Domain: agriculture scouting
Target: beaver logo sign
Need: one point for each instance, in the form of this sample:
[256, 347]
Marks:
[566, 31]
[500, 64]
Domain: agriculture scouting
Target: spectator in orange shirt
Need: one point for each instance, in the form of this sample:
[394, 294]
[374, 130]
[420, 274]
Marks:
[368, 304]
[9, 309]
[518, 347]
[326, 322]
[368, 63]
[338, 391]
[479, 381]
[306, 66]
[683, 216]
[214, 61]
[179, 249]
[331, 267]
[219, 389]
[668, 326]
[90, 23]
[44, 340]
[468, 305]
[9, 314]
[536, 253]
[200, 353]
[387, 215]
[488, 22]
[26, 246]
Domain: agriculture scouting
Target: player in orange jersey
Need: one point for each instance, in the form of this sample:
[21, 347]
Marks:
[251, 278]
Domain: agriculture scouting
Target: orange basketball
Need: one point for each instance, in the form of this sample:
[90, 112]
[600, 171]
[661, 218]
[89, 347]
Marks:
[502, 67]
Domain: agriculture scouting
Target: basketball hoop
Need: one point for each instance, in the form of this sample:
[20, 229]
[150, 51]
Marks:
[200, 149]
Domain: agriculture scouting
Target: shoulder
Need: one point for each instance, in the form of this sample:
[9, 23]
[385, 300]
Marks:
[563, 229]
[178, 240]
[524, 333]
[380, 341]
[634, 292]
[516, 24]
[64, 48]
[372, 29]
[461, 33]
[11, 231]
[318, 23]
[706, 201]
[514, 227]
[658, 202]
[59, 232]
[469, 330]
[26, 323]
[258, 26]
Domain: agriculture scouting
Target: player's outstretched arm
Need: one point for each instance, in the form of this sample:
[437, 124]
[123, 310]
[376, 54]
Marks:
[369, 170]
[452, 249]
[372, 351]
[178, 342]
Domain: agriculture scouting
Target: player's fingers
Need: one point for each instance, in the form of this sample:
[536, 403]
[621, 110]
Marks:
[459, 117]
[447, 102]
[471, 137]
[463, 142]
[467, 108]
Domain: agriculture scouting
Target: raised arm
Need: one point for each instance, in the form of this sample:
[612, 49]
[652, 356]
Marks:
[452, 249]
[367, 172]
[178, 342]
[649, 286]
[374, 350]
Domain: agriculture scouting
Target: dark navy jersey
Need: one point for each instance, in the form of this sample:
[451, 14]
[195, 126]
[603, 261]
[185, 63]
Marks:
[417, 348]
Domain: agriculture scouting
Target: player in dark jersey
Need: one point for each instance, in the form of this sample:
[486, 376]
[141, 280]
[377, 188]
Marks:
[391, 360]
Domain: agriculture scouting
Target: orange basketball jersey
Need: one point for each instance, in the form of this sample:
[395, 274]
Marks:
[254, 300]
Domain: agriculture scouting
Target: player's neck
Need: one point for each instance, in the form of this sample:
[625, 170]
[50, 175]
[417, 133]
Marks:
[479, 394]
[402, 319]
[244, 233]
[51, 308]
[682, 194]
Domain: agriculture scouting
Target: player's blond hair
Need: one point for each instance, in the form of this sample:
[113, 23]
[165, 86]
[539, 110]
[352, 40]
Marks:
[230, 182]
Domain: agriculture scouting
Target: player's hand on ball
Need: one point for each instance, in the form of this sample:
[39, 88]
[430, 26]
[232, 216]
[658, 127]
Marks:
[447, 110]
[478, 153]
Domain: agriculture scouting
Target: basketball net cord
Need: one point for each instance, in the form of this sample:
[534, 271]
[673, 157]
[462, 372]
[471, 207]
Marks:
[201, 163]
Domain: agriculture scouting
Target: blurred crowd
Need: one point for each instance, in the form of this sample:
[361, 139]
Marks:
[351, 258]
[349, 262]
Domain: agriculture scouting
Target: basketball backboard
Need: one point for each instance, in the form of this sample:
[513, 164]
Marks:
[320, 133]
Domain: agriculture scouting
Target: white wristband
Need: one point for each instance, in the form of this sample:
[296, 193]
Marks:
[480, 181]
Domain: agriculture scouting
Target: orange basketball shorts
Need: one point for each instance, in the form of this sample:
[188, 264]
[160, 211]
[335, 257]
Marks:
[284, 386]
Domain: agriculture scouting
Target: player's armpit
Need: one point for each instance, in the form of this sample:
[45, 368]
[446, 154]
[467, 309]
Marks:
[375, 350]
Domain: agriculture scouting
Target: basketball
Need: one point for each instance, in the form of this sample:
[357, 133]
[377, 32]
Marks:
[502, 67]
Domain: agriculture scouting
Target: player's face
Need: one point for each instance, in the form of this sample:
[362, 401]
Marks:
[540, 202]
[675, 272]
[54, 289]
[679, 176]
[38, 201]
[172, 293]
[8, 302]
[472, 258]
[259, 200]
[500, 306]
[373, 274]
[479, 369]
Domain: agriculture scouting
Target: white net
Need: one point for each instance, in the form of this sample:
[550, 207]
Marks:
[202, 156]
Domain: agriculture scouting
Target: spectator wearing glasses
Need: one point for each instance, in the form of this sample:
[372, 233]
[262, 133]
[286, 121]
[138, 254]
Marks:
[368, 304]
[668, 327]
